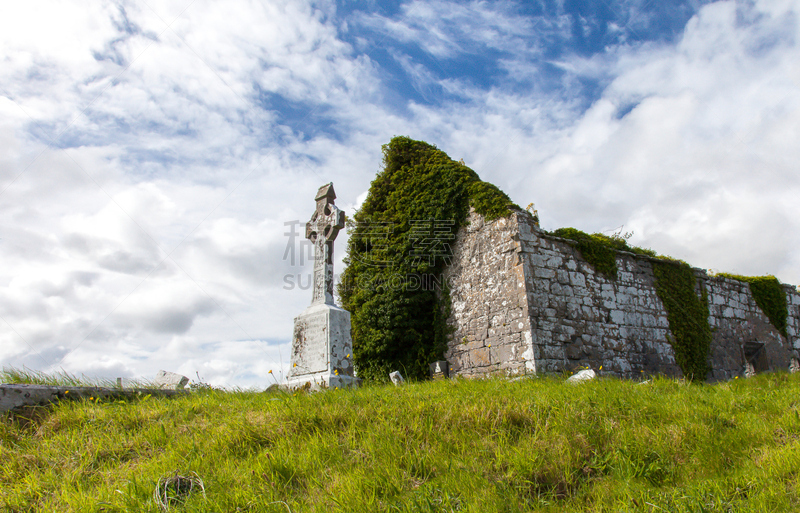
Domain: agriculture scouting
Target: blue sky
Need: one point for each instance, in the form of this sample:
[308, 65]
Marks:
[151, 154]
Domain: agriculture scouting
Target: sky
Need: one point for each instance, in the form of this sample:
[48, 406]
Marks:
[155, 157]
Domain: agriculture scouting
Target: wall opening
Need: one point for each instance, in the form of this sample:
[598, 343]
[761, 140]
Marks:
[755, 356]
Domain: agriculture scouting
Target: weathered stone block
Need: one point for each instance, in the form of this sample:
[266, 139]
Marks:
[617, 316]
[322, 348]
[577, 279]
[542, 272]
[552, 352]
[470, 346]
[170, 380]
[554, 261]
[396, 378]
[582, 376]
[480, 357]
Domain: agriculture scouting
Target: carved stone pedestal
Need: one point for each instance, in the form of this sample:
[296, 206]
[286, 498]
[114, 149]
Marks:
[322, 350]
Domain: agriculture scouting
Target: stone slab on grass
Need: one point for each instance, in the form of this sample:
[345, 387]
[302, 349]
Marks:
[21, 395]
[580, 377]
[170, 380]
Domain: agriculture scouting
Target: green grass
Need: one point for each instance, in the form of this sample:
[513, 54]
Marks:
[479, 446]
[63, 378]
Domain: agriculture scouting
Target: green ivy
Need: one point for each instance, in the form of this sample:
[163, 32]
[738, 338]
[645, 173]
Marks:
[398, 302]
[687, 315]
[770, 297]
[600, 250]
[488, 200]
[675, 286]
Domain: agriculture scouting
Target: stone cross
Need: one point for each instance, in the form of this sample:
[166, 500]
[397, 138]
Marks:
[322, 230]
[322, 346]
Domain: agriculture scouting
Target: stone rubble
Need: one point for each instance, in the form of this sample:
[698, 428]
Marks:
[396, 378]
[582, 376]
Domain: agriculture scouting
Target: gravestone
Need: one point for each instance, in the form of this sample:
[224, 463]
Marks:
[321, 344]
[439, 369]
[166, 379]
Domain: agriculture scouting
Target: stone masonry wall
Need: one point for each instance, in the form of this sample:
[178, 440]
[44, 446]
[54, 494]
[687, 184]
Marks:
[793, 322]
[736, 320]
[581, 318]
[526, 301]
[489, 303]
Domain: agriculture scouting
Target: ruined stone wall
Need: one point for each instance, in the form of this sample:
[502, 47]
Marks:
[519, 293]
[581, 318]
[793, 324]
[489, 303]
[738, 324]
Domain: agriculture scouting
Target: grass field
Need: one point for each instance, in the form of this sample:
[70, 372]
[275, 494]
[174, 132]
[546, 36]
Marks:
[480, 446]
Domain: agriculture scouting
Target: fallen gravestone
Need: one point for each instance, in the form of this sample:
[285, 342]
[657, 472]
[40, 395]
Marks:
[170, 380]
[15, 396]
[580, 377]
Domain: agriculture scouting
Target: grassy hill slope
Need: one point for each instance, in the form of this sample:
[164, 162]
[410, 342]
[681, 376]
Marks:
[480, 446]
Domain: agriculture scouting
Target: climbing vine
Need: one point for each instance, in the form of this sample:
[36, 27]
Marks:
[675, 286]
[600, 250]
[769, 296]
[687, 315]
[398, 249]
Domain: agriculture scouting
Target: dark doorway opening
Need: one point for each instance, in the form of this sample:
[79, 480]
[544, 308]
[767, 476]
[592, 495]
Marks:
[755, 354]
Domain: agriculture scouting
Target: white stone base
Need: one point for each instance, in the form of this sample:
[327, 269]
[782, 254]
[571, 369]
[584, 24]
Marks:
[321, 382]
[322, 350]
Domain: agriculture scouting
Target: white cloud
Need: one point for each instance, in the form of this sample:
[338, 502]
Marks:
[165, 214]
[445, 29]
[702, 167]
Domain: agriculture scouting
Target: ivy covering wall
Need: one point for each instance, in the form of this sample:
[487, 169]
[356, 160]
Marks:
[675, 286]
[769, 296]
[398, 248]
[687, 315]
[600, 250]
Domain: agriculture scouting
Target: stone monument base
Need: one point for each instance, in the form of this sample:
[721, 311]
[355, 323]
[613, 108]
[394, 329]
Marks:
[320, 382]
[322, 349]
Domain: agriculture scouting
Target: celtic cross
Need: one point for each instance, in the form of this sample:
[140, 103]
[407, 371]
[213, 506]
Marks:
[323, 228]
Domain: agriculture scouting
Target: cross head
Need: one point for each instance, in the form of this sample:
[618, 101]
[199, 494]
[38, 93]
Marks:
[321, 230]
